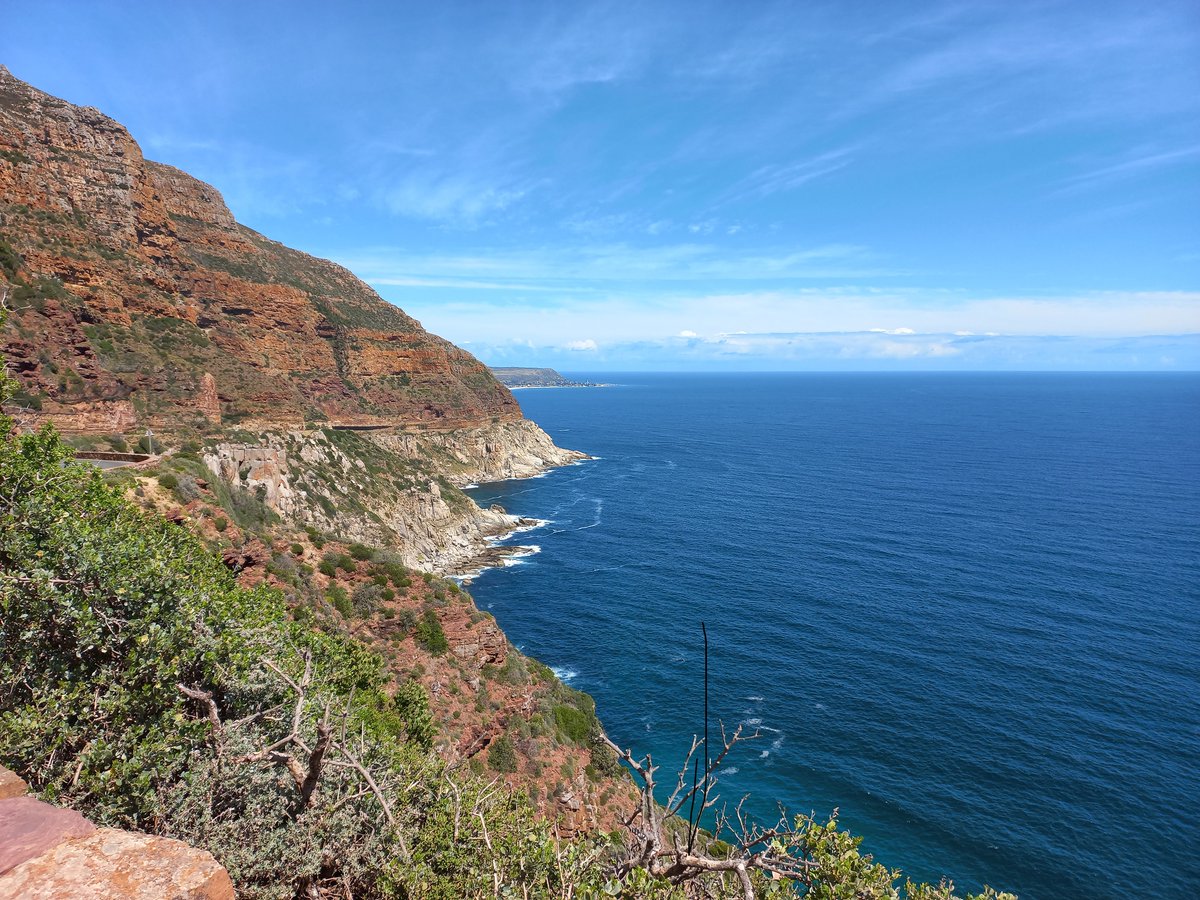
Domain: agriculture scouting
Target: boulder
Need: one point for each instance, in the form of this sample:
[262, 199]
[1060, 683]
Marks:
[29, 827]
[118, 865]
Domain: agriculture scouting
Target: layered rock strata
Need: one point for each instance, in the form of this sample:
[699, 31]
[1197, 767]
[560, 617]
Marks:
[139, 301]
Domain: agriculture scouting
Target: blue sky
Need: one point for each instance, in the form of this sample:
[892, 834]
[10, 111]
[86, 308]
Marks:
[693, 185]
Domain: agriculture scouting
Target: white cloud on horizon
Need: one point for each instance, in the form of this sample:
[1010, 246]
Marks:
[866, 350]
[613, 317]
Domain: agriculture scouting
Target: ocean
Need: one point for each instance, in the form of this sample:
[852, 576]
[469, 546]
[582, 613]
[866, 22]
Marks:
[963, 609]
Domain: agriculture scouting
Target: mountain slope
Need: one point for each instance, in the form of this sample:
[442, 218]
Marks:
[144, 303]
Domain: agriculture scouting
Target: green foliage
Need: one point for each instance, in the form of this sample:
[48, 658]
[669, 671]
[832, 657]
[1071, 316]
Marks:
[366, 599]
[297, 549]
[333, 560]
[14, 156]
[168, 480]
[220, 523]
[429, 634]
[33, 294]
[361, 552]
[412, 705]
[572, 723]
[186, 489]
[336, 594]
[10, 259]
[502, 757]
[514, 671]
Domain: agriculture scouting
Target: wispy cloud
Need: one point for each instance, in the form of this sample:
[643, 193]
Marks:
[777, 178]
[615, 315]
[449, 197]
[585, 266]
[1134, 166]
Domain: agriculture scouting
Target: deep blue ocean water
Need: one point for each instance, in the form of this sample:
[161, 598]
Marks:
[963, 608]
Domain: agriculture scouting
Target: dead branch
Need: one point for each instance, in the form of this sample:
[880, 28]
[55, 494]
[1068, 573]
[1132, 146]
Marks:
[214, 715]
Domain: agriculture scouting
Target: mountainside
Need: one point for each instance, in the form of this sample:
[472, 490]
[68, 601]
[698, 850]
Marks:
[519, 376]
[146, 304]
[296, 415]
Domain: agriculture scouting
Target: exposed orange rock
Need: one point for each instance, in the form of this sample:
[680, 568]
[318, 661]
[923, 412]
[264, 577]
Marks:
[11, 785]
[29, 827]
[208, 401]
[49, 853]
[118, 865]
[140, 295]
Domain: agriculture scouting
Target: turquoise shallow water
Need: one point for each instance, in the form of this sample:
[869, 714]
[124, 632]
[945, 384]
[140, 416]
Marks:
[964, 609]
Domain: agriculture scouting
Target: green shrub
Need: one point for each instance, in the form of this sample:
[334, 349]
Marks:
[168, 480]
[332, 561]
[186, 489]
[10, 259]
[366, 599]
[336, 594]
[220, 523]
[501, 755]
[572, 723]
[297, 549]
[429, 634]
[361, 552]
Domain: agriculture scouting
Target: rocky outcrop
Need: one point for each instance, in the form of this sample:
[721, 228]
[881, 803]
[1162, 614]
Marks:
[494, 452]
[48, 853]
[141, 302]
[390, 489]
[207, 400]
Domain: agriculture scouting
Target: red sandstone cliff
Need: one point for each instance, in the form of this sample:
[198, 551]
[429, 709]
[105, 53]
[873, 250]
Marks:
[140, 301]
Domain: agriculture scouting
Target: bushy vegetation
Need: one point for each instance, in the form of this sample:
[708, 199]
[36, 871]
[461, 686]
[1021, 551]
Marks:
[10, 259]
[429, 634]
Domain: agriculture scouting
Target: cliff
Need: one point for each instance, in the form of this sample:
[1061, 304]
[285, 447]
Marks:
[142, 302]
[397, 489]
[297, 416]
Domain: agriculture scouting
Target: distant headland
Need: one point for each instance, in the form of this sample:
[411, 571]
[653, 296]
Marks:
[518, 377]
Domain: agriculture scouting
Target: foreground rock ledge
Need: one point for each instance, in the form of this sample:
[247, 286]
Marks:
[47, 853]
[110, 864]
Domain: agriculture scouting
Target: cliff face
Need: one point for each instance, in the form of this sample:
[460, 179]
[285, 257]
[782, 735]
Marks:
[140, 301]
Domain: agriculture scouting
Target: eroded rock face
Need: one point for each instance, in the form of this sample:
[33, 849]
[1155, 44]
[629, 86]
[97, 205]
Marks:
[386, 488]
[145, 304]
[118, 865]
[492, 452]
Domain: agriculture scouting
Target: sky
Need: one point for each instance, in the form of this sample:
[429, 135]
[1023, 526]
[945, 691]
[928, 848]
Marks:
[692, 185]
